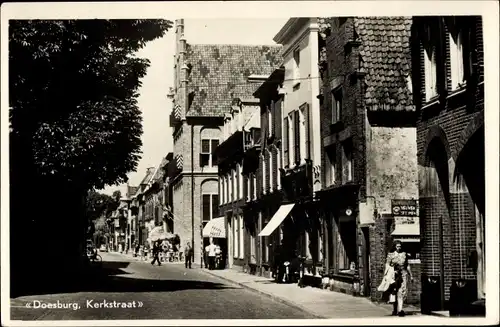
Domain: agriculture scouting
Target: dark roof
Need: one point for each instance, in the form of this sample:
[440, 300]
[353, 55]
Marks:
[149, 175]
[219, 74]
[131, 190]
[386, 60]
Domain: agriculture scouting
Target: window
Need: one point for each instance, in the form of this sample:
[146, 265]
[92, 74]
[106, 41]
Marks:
[296, 132]
[221, 191]
[430, 70]
[270, 125]
[254, 184]
[278, 164]
[347, 161]
[296, 65]
[210, 207]
[235, 237]
[330, 172]
[242, 237]
[263, 160]
[336, 105]
[346, 245]
[306, 136]
[234, 196]
[208, 146]
[286, 143]
[240, 181]
[249, 188]
[456, 60]
[270, 156]
[228, 188]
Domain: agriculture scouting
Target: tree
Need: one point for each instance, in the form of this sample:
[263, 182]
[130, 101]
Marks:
[101, 205]
[74, 127]
[73, 96]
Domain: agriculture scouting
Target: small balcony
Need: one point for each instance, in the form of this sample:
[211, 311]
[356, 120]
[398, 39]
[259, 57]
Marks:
[297, 183]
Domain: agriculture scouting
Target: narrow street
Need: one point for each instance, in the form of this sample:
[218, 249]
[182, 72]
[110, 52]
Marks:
[166, 292]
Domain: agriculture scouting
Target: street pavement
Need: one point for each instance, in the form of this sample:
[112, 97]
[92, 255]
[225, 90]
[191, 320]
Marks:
[125, 288]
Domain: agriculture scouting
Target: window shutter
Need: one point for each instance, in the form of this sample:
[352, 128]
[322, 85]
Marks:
[206, 207]
[296, 122]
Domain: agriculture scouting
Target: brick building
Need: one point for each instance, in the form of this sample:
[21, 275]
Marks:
[449, 97]
[207, 79]
[369, 154]
[234, 192]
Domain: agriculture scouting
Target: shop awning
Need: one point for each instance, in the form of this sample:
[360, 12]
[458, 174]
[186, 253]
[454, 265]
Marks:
[215, 228]
[277, 219]
[407, 230]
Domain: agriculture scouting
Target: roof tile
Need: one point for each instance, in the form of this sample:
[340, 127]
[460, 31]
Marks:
[385, 52]
[219, 74]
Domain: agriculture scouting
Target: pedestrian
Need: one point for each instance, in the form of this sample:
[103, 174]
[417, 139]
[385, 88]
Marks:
[188, 255]
[218, 256]
[156, 253]
[211, 255]
[398, 260]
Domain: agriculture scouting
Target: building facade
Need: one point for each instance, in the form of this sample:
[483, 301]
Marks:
[233, 188]
[367, 127]
[290, 158]
[207, 79]
[449, 97]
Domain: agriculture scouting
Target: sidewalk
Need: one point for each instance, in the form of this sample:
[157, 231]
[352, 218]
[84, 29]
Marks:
[318, 302]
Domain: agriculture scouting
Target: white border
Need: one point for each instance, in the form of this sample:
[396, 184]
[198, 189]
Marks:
[260, 10]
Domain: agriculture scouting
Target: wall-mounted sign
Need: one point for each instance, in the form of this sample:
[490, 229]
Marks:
[404, 208]
[405, 220]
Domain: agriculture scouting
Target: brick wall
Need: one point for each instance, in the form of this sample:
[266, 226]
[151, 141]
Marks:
[440, 131]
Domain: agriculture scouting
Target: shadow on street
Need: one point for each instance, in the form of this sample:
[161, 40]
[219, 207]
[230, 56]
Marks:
[104, 278]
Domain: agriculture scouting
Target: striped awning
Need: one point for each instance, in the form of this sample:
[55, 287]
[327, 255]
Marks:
[215, 228]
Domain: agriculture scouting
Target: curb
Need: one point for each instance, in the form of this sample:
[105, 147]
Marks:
[269, 295]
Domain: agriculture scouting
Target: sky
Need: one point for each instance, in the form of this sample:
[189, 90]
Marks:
[153, 101]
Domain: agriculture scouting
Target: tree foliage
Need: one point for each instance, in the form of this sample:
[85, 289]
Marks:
[101, 205]
[73, 88]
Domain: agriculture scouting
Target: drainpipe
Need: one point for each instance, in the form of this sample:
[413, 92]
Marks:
[192, 190]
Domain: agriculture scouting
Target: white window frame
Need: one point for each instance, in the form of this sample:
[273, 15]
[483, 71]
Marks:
[254, 181]
[221, 192]
[332, 167]
[211, 197]
[279, 164]
[430, 69]
[271, 181]
[210, 157]
[236, 239]
[457, 61]
[263, 173]
[270, 129]
[235, 185]
[240, 178]
[303, 135]
[249, 188]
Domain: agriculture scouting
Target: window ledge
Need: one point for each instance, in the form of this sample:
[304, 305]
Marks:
[460, 90]
[434, 101]
[296, 86]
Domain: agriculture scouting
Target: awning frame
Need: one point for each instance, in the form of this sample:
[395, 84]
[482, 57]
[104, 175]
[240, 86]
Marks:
[276, 220]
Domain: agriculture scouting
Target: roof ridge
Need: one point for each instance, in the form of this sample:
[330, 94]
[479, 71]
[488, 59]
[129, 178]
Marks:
[236, 45]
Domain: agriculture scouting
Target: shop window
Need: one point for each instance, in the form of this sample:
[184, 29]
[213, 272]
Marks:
[346, 246]
[412, 249]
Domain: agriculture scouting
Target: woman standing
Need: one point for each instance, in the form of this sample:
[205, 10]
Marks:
[398, 260]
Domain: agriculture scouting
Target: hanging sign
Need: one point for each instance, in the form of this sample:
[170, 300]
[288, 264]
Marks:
[404, 208]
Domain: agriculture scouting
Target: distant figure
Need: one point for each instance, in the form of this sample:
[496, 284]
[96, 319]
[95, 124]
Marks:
[211, 255]
[188, 255]
[156, 253]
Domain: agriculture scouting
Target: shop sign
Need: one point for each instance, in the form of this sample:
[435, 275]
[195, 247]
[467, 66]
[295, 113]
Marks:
[405, 220]
[404, 208]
